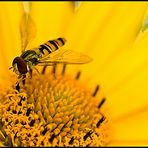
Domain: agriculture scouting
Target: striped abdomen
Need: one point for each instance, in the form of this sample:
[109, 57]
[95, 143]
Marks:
[51, 45]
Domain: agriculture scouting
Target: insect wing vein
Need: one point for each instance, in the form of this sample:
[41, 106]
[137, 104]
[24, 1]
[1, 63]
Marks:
[66, 56]
[27, 30]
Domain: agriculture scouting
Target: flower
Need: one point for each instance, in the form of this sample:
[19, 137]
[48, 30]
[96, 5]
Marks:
[114, 34]
[49, 111]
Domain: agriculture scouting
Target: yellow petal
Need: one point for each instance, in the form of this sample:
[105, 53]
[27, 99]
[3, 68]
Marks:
[128, 143]
[145, 21]
[88, 19]
[10, 14]
[131, 129]
[51, 19]
[117, 31]
[125, 81]
[130, 95]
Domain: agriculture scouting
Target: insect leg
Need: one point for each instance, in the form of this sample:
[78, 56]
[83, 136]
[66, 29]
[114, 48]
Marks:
[36, 70]
[23, 79]
[30, 72]
[64, 68]
[17, 87]
[54, 70]
[20, 78]
[44, 69]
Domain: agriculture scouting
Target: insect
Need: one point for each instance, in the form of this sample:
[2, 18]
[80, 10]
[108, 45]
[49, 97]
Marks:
[46, 54]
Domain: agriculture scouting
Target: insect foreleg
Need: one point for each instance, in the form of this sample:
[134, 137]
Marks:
[21, 78]
[30, 73]
[17, 87]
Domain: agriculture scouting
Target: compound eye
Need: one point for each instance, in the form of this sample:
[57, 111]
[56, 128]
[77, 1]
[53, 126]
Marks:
[21, 65]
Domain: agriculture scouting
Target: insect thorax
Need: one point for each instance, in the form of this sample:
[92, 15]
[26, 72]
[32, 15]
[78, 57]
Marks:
[30, 56]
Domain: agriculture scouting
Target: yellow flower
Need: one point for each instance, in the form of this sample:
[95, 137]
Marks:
[114, 34]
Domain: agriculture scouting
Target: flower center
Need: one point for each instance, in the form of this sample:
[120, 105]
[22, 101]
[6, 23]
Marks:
[52, 110]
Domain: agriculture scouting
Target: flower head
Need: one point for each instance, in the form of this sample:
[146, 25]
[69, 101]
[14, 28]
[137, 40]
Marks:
[52, 111]
[55, 109]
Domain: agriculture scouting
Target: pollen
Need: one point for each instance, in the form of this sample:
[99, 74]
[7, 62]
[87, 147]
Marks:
[51, 110]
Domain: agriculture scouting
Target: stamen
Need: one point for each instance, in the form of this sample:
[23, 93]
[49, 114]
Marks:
[28, 111]
[87, 145]
[71, 141]
[32, 122]
[44, 131]
[51, 138]
[96, 90]
[101, 103]
[78, 75]
[100, 121]
[87, 135]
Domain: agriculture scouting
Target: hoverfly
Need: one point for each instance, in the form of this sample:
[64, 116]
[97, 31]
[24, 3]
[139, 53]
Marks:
[46, 54]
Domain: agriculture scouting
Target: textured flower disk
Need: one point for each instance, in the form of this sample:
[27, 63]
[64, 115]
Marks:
[52, 110]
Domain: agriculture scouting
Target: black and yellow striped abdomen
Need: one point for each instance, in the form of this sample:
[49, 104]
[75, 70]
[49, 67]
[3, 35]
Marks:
[51, 46]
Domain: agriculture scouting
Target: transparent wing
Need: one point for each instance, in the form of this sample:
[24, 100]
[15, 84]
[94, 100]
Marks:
[65, 56]
[27, 30]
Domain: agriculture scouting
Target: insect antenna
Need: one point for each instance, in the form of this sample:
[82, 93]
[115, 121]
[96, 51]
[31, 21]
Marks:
[10, 68]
